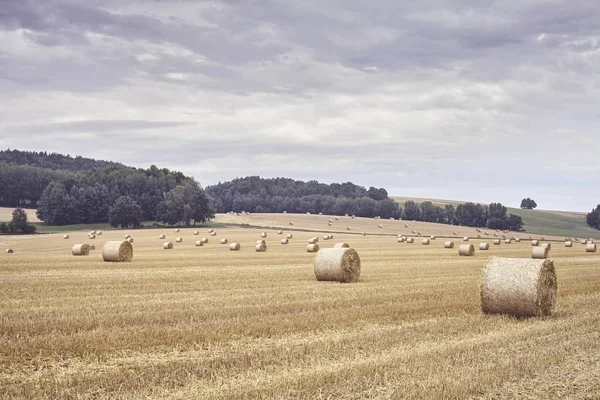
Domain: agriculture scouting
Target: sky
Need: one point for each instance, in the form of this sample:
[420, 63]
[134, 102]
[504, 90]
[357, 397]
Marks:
[479, 101]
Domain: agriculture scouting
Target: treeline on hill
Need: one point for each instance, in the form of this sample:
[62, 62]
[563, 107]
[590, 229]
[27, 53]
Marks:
[79, 190]
[261, 195]
[593, 218]
[494, 216]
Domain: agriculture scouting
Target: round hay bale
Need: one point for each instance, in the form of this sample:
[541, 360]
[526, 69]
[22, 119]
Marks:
[234, 246]
[535, 242]
[263, 234]
[261, 241]
[223, 241]
[312, 248]
[518, 286]
[279, 232]
[495, 235]
[401, 239]
[179, 240]
[584, 242]
[497, 230]
[92, 232]
[117, 251]
[330, 236]
[284, 241]
[590, 248]
[211, 230]
[478, 236]
[380, 226]
[99, 233]
[486, 233]
[478, 230]
[425, 242]
[204, 240]
[467, 250]
[539, 252]
[413, 231]
[568, 243]
[432, 237]
[338, 264]
[9, 251]
[260, 247]
[312, 240]
[196, 233]
[169, 245]
[130, 240]
[326, 237]
[466, 239]
[406, 225]
[508, 241]
[127, 236]
[285, 212]
[320, 213]
[496, 242]
[92, 237]
[81, 250]
[330, 221]
[353, 216]
[518, 240]
[484, 246]
[347, 228]
[65, 236]
[419, 233]
[449, 244]
[92, 247]
[543, 238]
[176, 230]
[410, 240]
[548, 246]
[199, 243]
[455, 233]
[341, 245]
[364, 234]
[289, 236]
[161, 236]
[291, 223]
[307, 213]
[213, 233]
[337, 218]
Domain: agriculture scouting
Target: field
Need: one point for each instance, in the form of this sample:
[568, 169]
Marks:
[209, 323]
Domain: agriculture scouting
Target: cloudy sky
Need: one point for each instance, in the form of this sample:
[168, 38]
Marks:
[446, 99]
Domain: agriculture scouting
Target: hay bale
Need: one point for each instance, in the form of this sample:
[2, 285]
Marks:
[65, 236]
[224, 241]
[379, 226]
[81, 250]
[478, 230]
[364, 234]
[432, 237]
[161, 236]
[455, 233]
[234, 246]
[584, 242]
[539, 252]
[92, 237]
[176, 230]
[496, 242]
[535, 242]
[413, 231]
[347, 228]
[263, 234]
[543, 238]
[213, 233]
[285, 212]
[410, 240]
[419, 233]
[169, 245]
[338, 264]
[130, 240]
[260, 247]
[330, 236]
[478, 236]
[279, 232]
[518, 286]
[92, 247]
[449, 244]
[196, 233]
[341, 245]
[9, 251]
[548, 246]
[425, 242]
[199, 243]
[466, 239]
[261, 241]
[406, 225]
[312, 248]
[508, 241]
[289, 236]
[518, 240]
[590, 248]
[179, 240]
[291, 223]
[486, 233]
[284, 241]
[204, 240]
[92, 232]
[401, 239]
[211, 230]
[117, 251]
[495, 235]
[337, 218]
[467, 250]
[484, 246]
[568, 243]
[99, 233]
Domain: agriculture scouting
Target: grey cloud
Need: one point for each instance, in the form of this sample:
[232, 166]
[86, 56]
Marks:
[91, 126]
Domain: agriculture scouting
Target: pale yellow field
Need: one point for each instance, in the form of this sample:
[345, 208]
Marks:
[6, 214]
[208, 323]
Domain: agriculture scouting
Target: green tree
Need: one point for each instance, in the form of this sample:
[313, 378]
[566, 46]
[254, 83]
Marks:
[411, 211]
[57, 206]
[513, 222]
[125, 212]
[528, 204]
[593, 218]
[20, 222]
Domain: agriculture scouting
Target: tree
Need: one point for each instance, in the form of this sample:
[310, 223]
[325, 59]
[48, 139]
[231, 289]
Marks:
[57, 206]
[528, 204]
[470, 214]
[593, 218]
[513, 223]
[20, 222]
[125, 212]
[496, 216]
[411, 211]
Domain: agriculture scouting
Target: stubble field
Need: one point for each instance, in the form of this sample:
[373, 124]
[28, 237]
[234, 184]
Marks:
[209, 323]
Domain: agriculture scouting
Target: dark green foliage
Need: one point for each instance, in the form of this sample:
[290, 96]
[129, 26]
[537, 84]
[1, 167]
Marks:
[125, 212]
[528, 204]
[18, 225]
[593, 218]
[412, 211]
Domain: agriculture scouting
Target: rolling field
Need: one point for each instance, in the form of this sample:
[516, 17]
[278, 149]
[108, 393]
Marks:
[209, 323]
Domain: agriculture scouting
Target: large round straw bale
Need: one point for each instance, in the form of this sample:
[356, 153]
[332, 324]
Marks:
[584, 242]
[478, 230]
[432, 237]
[285, 212]
[341, 245]
[168, 245]
[80, 249]
[330, 221]
[478, 236]
[289, 236]
[92, 232]
[406, 225]
[284, 241]
[161, 236]
[353, 216]
[234, 246]
[449, 244]
[590, 248]
[466, 250]
[508, 241]
[176, 230]
[539, 252]
[425, 242]
[535, 242]
[326, 237]
[484, 246]
[340, 264]
[196, 233]
[223, 241]
[518, 286]
[413, 231]
[496, 242]
[9, 251]
[379, 226]
[279, 232]
[410, 240]
[117, 251]
[263, 234]
[199, 243]
[92, 236]
[213, 233]
[204, 240]
[466, 239]
[65, 236]
[543, 238]
[548, 246]
[312, 248]
[330, 236]
[307, 213]
[179, 240]
[568, 243]
[495, 235]
[260, 247]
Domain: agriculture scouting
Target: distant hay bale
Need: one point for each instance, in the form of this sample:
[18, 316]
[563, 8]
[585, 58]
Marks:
[338, 264]
[347, 228]
[455, 233]
[330, 221]
[199, 243]
[496, 242]
[176, 230]
[478, 236]
[337, 218]
[497, 230]
[92, 237]
[432, 237]
[234, 246]
[341, 245]
[419, 233]
[196, 233]
[127, 236]
[484, 246]
[204, 240]
[466, 239]
[260, 247]
[285, 212]
[413, 231]
[117, 251]
[179, 240]
[224, 241]
[590, 248]
[478, 230]
[548, 246]
[584, 242]
[307, 213]
[161, 236]
[406, 225]
[507, 241]
[169, 245]
[130, 240]
[568, 243]
[535, 242]
[401, 239]
[379, 226]
[320, 213]
[467, 250]
[284, 241]
[211, 230]
[486, 233]
[263, 234]
[449, 244]
[92, 232]
[92, 247]
[364, 234]
[81, 250]
[410, 240]
[65, 236]
[291, 223]
[543, 238]
[353, 216]
[99, 233]
[425, 242]
[312, 240]
[518, 240]
[539, 252]
[495, 235]
[330, 224]
[312, 248]
[279, 232]
[289, 236]
[9, 251]
[518, 286]
[213, 233]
